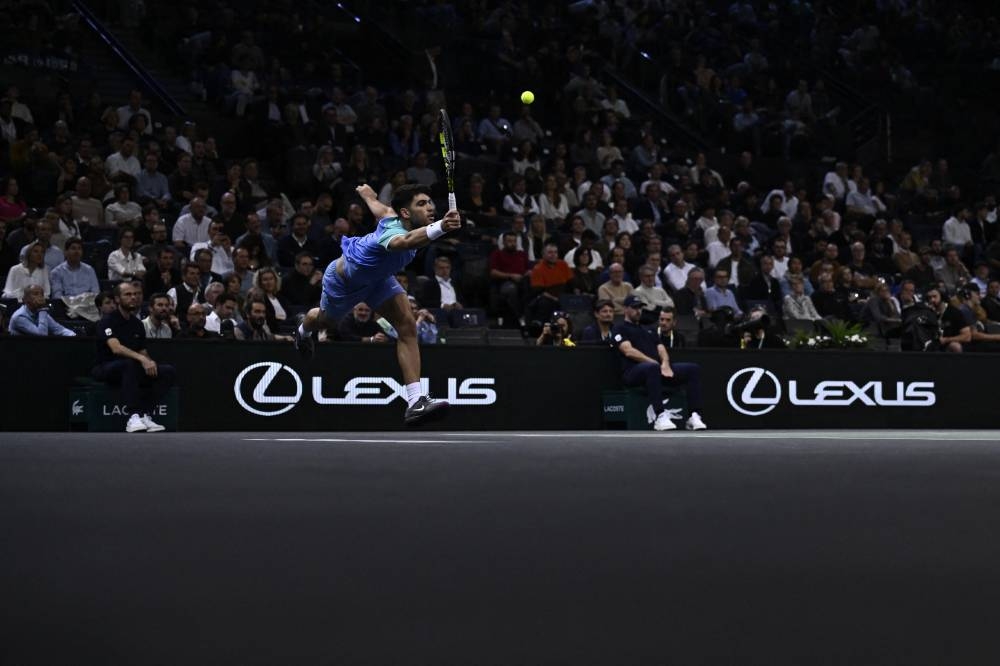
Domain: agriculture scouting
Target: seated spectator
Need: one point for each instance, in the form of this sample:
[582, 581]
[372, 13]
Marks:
[297, 241]
[763, 287]
[956, 232]
[206, 276]
[262, 246]
[669, 338]
[719, 295]
[882, 309]
[797, 304]
[303, 284]
[192, 227]
[33, 318]
[830, 301]
[980, 277]
[152, 186]
[676, 272]
[584, 279]
[953, 274]
[865, 276]
[187, 292]
[13, 209]
[219, 246]
[31, 271]
[599, 333]
[122, 359]
[359, 325]
[904, 259]
[615, 289]
[162, 275]
[923, 274]
[73, 277]
[508, 275]
[43, 237]
[125, 263]
[123, 211]
[161, 322]
[441, 291]
[690, 299]
[123, 165]
[991, 301]
[653, 298]
[419, 172]
[267, 285]
[195, 329]
[552, 203]
[518, 201]
[955, 330]
[223, 315]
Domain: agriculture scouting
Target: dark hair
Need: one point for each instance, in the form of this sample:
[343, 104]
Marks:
[671, 309]
[298, 215]
[159, 294]
[603, 302]
[103, 296]
[202, 251]
[73, 241]
[403, 196]
[303, 255]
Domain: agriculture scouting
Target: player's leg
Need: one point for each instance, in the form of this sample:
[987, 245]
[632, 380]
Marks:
[335, 301]
[397, 310]
[689, 374]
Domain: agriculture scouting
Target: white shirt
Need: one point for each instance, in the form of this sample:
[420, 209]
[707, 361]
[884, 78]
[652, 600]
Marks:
[120, 265]
[676, 276]
[448, 296]
[717, 250]
[595, 259]
[222, 261]
[279, 312]
[18, 278]
[626, 223]
[780, 268]
[125, 114]
[956, 232]
[163, 331]
[520, 203]
[118, 163]
[191, 231]
[835, 185]
[550, 211]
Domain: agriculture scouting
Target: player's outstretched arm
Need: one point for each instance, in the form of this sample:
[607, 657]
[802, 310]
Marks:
[421, 236]
[378, 209]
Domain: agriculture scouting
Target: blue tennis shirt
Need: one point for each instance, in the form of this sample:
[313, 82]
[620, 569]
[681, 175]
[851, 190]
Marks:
[370, 253]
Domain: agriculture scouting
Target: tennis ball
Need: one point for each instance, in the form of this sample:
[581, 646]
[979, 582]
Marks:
[527, 97]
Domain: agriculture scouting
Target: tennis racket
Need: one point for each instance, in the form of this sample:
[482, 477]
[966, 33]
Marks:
[448, 154]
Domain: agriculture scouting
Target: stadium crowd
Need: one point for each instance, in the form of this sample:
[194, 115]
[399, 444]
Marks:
[572, 204]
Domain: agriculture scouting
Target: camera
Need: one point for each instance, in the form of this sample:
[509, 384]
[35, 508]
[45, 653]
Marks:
[758, 320]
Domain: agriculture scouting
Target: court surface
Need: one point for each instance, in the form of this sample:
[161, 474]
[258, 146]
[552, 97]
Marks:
[500, 548]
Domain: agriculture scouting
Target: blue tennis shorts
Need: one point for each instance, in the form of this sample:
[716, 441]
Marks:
[341, 294]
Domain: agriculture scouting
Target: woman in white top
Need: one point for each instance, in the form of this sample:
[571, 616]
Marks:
[526, 158]
[607, 152]
[268, 281]
[125, 263]
[31, 271]
[552, 204]
[122, 210]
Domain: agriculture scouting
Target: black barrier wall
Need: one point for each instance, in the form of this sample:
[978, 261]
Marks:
[265, 386]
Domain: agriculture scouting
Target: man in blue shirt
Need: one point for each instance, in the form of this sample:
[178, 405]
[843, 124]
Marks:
[646, 363]
[367, 273]
[33, 319]
[73, 277]
[719, 294]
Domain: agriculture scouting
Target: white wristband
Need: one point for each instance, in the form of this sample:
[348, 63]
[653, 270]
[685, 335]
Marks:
[434, 230]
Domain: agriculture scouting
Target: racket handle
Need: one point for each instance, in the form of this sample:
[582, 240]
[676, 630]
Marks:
[452, 204]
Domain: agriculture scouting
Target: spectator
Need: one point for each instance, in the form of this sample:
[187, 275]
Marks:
[182, 181]
[206, 276]
[440, 291]
[297, 242]
[955, 330]
[991, 301]
[883, 310]
[599, 333]
[665, 330]
[43, 238]
[585, 280]
[13, 209]
[615, 289]
[125, 263]
[519, 202]
[86, 209]
[223, 315]
[419, 172]
[161, 323]
[905, 259]
[220, 248]
[738, 264]
[267, 285]
[163, 275]
[31, 271]
[830, 301]
[73, 277]
[124, 165]
[676, 272]
[763, 287]
[359, 326]
[690, 299]
[508, 273]
[193, 227]
[133, 108]
[646, 362]
[797, 304]
[187, 292]
[835, 183]
[196, 320]
[33, 318]
[302, 285]
[122, 359]
[152, 186]
[953, 274]
[653, 298]
[795, 270]
[719, 295]
[261, 246]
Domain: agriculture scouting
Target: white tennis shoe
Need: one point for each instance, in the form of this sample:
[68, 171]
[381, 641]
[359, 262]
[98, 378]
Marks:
[664, 422]
[694, 422]
[135, 424]
[151, 425]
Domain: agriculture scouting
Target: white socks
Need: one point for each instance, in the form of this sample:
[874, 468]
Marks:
[302, 331]
[412, 393]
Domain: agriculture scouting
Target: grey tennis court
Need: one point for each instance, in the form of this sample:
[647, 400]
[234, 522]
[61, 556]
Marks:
[500, 548]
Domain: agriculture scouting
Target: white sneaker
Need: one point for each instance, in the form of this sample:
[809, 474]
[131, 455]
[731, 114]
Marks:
[151, 425]
[694, 422]
[664, 422]
[135, 424]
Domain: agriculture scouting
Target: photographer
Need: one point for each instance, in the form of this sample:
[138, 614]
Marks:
[954, 331]
[645, 362]
[557, 333]
[755, 331]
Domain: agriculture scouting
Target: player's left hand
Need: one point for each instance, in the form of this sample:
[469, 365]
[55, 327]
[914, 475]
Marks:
[452, 221]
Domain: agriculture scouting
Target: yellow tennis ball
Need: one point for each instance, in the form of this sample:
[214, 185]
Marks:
[527, 97]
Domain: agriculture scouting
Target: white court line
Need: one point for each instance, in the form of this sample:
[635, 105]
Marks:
[362, 441]
[847, 435]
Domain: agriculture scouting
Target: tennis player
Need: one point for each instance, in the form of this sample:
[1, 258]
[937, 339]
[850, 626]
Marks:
[366, 272]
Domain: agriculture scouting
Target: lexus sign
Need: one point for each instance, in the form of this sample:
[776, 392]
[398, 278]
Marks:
[756, 391]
